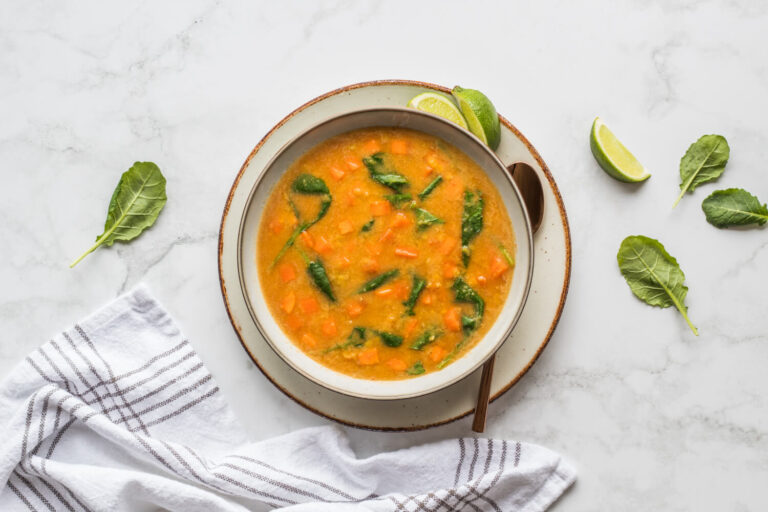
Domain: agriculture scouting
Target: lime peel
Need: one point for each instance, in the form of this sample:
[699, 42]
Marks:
[614, 158]
[480, 115]
[440, 105]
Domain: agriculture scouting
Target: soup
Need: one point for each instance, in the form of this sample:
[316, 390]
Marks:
[385, 253]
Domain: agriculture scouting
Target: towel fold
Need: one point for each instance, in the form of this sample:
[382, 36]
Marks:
[119, 413]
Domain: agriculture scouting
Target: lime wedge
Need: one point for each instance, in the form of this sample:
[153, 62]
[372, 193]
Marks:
[481, 115]
[440, 105]
[613, 157]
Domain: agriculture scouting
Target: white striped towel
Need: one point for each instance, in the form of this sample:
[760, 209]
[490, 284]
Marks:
[119, 413]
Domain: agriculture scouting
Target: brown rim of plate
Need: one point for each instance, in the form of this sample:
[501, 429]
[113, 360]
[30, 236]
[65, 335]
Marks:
[536, 156]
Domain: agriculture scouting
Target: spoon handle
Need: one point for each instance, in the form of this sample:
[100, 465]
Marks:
[483, 396]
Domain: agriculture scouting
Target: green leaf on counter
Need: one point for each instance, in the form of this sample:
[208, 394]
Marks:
[703, 162]
[653, 275]
[734, 207]
[135, 205]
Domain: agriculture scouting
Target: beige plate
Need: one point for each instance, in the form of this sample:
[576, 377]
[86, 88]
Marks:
[545, 302]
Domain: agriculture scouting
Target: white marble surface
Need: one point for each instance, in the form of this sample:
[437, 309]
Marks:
[654, 418]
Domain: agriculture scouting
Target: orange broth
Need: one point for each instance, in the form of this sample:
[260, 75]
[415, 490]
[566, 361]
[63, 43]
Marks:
[352, 256]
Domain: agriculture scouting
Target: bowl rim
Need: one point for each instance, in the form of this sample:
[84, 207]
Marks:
[510, 323]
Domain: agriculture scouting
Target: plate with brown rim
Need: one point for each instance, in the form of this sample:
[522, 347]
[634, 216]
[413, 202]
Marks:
[537, 322]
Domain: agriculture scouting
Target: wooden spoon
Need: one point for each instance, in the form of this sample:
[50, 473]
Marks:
[533, 196]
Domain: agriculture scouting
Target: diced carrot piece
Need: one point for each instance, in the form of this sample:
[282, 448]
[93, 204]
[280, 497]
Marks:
[482, 279]
[308, 305]
[498, 266]
[287, 272]
[405, 252]
[275, 226]
[397, 364]
[410, 325]
[322, 245]
[329, 328]
[294, 322]
[308, 340]
[346, 227]
[354, 309]
[387, 235]
[368, 356]
[402, 290]
[337, 173]
[288, 302]
[370, 265]
[400, 220]
[450, 270]
[426, 299]
[372, 146]
[352, 163]
[428, 170]
[452, 319]
[380, 208]
[399, 147]
[447, 246]
[383, 292]
[307, 239]
[344, 262]
[437, 353]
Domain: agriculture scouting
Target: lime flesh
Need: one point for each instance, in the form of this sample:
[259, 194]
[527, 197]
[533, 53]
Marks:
[613, 156]
[440, 105]
[481, 115]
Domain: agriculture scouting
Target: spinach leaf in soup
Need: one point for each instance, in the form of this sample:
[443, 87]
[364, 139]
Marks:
[429, 188]
[425, 339]
[367, 226]
[384, 175]
[653, 275]
[309, 184]
[389, 339]
[453, 353]
[471, 222]
[424, 219]
[465, 293]
[417, 287]
[507, 256]
[306, 184]
[397, 200]
[319, 276]
[416, 369]
[377, 281]
[734, 207]
[703, 162]
[135, 205]
[355, 339]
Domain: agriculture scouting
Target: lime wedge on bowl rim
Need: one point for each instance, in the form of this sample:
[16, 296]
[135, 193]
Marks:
[613, 156]
[440, 105]
[481, 115]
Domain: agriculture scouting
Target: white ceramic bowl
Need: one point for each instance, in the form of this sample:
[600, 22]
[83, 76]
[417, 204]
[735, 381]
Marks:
[385, 389]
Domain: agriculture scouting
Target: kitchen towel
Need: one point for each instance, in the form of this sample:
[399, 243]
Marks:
[119, 413]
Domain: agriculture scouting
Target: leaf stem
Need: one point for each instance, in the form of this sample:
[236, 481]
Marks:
[680, 196]
[89, 251]
[687, 320]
